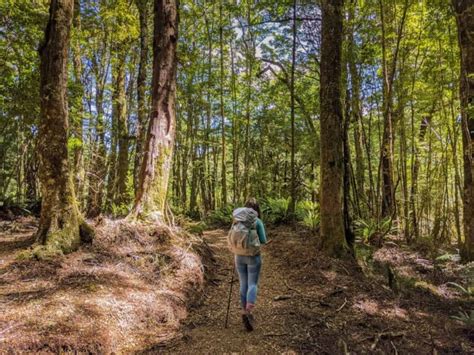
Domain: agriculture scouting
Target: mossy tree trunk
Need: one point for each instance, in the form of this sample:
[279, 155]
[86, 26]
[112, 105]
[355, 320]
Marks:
[77, 122]
[142, 6]
[61, 224]
[332, 156]
[158, 150]
[464, 10]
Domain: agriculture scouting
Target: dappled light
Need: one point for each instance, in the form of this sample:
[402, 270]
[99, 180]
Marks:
[236, 177]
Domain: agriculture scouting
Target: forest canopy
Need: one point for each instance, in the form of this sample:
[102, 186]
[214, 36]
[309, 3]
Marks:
[248, 110]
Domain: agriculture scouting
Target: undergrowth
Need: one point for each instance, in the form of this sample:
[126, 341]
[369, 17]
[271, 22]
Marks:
[274, 211]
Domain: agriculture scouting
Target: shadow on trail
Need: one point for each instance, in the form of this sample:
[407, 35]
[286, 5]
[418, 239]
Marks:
[309, 303]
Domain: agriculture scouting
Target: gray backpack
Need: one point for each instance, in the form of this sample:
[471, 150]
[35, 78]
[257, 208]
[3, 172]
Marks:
[243, 238]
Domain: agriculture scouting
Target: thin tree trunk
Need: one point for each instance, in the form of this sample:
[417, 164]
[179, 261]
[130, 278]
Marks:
[158, 152]
[99, 165]
[356, 110]
[389, 70]
[223, 147]
[293, 192]
[119, 109]
[78, 159]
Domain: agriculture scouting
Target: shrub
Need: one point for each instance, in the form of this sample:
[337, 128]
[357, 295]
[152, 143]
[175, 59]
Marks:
[307, 213]
[275, 210]
[221, 216]
[373, 230]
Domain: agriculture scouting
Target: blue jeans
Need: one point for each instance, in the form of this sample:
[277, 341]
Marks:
[248, 268]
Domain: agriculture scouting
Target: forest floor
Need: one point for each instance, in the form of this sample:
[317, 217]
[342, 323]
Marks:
[309, 303]
[126, 292]
[134, 290]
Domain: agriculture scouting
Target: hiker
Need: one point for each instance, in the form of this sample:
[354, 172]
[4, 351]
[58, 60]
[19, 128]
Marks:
[245, 237]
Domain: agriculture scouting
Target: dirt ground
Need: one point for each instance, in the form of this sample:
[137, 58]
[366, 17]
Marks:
[308, 303]
[127, 293]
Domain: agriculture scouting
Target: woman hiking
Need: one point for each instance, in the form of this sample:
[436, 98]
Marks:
[245, 237]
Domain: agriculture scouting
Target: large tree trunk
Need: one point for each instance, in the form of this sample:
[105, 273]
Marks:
[465, 22]
[332, 159]
[60, 223]
[142, 6]
[158, 151]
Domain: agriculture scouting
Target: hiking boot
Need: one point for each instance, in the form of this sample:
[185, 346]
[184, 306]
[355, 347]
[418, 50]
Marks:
[246, 319]
[251, 320]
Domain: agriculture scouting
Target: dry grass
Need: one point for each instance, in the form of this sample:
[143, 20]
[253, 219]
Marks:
[126, 292]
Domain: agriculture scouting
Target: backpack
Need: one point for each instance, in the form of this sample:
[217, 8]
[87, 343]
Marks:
[243, 238]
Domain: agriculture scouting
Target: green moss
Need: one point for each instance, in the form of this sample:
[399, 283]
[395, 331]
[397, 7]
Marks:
[66, 239]
[425, 286]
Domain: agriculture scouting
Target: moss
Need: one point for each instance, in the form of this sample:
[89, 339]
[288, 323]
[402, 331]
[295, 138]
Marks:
[40, 252]
[425, 286]
[66, 239]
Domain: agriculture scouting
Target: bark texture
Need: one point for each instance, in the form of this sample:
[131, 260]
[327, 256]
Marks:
[464, 10]
[158, 150]
[60, 223]
[142, 6]
[332, 158]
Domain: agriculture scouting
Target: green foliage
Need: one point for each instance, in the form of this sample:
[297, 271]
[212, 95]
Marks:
[119, 210]
[73, 143]
[307, 212]
[221, 216]
[190, 225]
[446, 257]
[369, 229]
[275, 210]
[466, 318]
[469, 291]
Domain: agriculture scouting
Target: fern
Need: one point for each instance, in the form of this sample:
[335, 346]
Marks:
[368, 229]
[466, 318]
[275, 210]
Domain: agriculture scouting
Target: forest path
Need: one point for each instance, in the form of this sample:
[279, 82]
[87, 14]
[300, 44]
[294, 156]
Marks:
[309, 303]
[204, 332]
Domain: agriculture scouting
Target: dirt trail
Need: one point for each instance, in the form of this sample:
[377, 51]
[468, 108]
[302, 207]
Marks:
[326, 307]
[204, 331]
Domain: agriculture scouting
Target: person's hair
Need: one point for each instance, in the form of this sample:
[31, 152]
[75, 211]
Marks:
[253, 204]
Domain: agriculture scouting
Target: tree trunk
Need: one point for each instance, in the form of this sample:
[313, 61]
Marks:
[332, 159]
[61, 224]
[293, 192]
[223, 157]
[99, 165]
[158, 150]
[119, 110]
[386, 151]
[464, 10]
[78, 163]
[356, 110]
[142, 6]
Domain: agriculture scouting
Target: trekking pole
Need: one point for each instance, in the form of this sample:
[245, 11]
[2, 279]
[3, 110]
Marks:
[230, 295]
